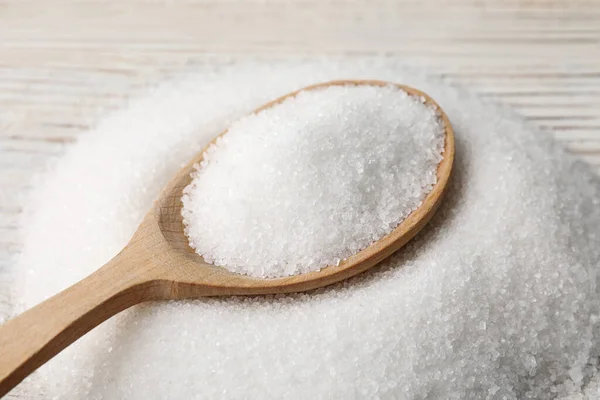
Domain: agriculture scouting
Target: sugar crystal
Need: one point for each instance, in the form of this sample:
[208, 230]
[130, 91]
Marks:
[516, 244]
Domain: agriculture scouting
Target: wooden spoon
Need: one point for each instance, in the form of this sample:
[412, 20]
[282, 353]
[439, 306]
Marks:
[158, 264]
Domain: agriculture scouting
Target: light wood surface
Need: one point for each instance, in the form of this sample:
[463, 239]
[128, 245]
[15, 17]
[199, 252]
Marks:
[65, 64]
[158, 264]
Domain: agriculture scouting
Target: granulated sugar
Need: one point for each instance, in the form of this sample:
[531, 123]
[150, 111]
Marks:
[496, 299]
[313, 180]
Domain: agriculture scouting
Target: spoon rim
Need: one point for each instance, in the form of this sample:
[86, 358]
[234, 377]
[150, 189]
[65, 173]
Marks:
[170, 200]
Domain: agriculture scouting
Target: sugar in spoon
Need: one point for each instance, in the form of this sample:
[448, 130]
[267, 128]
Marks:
[158, 264]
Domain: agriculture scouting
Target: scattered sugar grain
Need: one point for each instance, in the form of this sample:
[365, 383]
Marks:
[313, 180]
[497, 299]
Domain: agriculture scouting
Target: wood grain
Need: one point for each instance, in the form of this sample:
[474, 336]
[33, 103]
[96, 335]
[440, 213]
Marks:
[65, 64]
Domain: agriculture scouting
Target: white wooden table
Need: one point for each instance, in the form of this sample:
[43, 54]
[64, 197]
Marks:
[64, 64]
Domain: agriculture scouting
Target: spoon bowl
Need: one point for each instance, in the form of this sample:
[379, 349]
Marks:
[159, 264]
[167, 215]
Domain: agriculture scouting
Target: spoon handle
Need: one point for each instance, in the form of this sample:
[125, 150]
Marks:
[32, 338]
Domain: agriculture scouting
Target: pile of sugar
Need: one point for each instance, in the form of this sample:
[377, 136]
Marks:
[313, 180]
[497, 299]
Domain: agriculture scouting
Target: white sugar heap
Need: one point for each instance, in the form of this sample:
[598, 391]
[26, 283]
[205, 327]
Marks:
[497, 299]
[313, 180]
